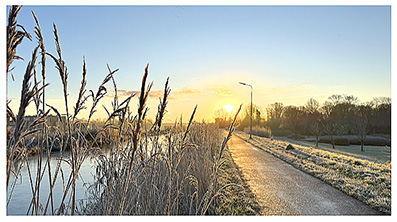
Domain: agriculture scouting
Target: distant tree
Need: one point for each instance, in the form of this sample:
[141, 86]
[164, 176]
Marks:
[293, 117]
[338, 113]
[245, 120]
[222, 118]
[312, 106]
[343, 107]
[332, 121]
[361, 125]
[257, 119]
[317, 127]
[314, 119]
[274, 113]
[335, 99]
[379, 101]
[381, 118]
[246, 117]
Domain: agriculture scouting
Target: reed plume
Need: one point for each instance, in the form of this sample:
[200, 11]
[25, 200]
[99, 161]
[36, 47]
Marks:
[27, 94]
[142, 109]
[81, 99]
[61, 67]
[14, 36]
[101, 92]
[161, 108]
[40, 40]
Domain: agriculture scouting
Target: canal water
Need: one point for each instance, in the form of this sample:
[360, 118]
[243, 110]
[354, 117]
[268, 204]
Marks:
[20, 198]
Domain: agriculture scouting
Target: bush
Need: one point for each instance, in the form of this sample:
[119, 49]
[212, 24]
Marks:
[338, 140]
[297, 137]
[354, 140]
[369, 140]
[259, 131]
[281, 132]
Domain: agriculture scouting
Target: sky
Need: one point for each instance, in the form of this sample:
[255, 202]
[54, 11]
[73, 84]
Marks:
[287, 53]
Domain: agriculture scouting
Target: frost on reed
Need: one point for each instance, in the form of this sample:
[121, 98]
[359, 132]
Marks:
[367, 181]
[14, 36]
[149, 173]
[144, 171]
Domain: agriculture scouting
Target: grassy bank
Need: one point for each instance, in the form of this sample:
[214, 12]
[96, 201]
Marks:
[379, 154]
[367, 181]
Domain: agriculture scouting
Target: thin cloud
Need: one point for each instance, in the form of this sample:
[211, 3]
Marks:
[184, 92]
[174, 95]
[303, 87]
[292, 88]
[121, 93]
[220, 91]
[336, 87]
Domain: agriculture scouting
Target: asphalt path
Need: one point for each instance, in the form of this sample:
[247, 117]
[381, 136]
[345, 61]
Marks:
[282, 189]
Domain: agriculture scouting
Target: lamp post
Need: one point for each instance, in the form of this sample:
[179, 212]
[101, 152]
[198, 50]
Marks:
[245, 84]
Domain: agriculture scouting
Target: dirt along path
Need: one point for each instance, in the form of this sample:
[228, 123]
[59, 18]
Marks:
[282, 189]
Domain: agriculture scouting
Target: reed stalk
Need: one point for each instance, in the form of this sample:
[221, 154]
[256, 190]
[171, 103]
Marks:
[149, 170]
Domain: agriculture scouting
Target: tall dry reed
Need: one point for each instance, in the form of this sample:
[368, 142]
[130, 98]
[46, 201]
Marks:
[146, 171]
[15, 36]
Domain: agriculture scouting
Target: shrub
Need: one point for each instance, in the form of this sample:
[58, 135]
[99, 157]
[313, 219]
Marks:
[338, 140]
[369, 141]
[281, 132]
[296, 137]
[259, 131]
[354, 140]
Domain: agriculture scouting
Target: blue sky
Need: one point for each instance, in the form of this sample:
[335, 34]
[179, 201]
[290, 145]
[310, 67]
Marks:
[288, 53]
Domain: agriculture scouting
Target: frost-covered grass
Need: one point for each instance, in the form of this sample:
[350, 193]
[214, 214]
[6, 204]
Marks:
[379, 154]
[367, 181]
[259, 131]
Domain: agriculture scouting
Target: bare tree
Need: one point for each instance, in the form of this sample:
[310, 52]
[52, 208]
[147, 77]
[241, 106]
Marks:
[338, 111]
[314, 118]
[293, 118]
[381, 118]
[274, 113]
[361, 125]
[317, 128]
[332, 121]
[222, 117]
[312, 106]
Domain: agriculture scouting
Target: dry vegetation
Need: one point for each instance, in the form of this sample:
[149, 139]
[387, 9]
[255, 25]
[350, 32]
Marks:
[145, 172]
[259, 131]
[367, 181]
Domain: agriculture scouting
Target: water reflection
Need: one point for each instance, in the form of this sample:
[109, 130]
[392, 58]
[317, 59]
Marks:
[20, 199]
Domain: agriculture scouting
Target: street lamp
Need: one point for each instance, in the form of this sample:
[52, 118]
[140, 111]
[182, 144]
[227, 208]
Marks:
[245, 84]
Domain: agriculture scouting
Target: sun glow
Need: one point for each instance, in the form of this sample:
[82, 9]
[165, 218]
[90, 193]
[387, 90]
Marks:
[229, 108]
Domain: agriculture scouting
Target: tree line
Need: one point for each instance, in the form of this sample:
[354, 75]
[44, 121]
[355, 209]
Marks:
[338, 115]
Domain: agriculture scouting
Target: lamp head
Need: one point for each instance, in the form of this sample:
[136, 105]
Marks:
[245, 84]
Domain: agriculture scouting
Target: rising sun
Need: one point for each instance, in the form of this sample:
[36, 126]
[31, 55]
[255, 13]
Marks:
[229, 108]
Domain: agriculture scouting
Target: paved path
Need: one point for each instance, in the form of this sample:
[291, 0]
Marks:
[282, 189]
